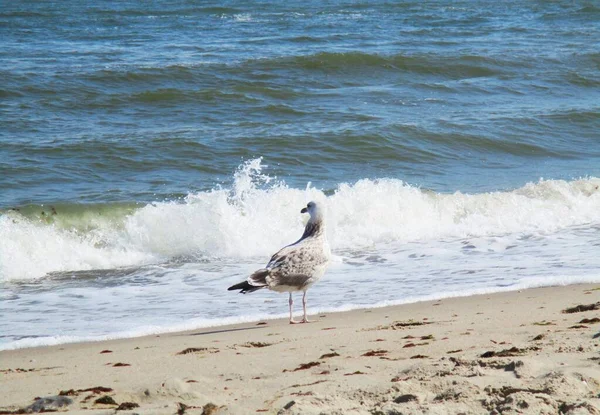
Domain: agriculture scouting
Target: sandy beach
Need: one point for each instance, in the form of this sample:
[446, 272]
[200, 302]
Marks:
[509, 353]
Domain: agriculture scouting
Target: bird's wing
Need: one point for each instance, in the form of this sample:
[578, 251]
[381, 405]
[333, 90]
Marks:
[279, 263]
[259, 278]
[297, 259]
[278, 279]
[280, 257]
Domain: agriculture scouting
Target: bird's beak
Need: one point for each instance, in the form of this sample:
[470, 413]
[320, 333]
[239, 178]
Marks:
[304, 210]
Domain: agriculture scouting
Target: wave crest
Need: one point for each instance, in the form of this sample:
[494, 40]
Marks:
[258, 214]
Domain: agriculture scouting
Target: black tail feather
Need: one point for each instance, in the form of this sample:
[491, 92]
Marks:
[244, 287]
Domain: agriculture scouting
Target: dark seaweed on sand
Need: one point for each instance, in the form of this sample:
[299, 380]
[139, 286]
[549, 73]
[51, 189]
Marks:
[127, 406]
[512, 352]
[328, 355]
[376, 353]
[105, 400]
[582, 307]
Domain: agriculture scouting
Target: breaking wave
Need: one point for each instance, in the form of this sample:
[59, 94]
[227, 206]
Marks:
[259, 214]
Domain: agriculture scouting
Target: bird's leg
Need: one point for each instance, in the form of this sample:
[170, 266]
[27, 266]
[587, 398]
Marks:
[305, 319]
[292, 321]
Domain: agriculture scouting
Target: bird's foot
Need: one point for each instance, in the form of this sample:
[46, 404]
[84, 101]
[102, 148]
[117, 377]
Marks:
[305, 320]
[295, 322]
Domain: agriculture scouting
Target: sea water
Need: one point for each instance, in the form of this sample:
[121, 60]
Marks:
[151, 155]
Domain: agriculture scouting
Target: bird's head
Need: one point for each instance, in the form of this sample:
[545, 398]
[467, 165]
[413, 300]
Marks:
[313, 210]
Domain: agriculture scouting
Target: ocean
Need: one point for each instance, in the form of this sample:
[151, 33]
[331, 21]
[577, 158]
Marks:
[154, 153]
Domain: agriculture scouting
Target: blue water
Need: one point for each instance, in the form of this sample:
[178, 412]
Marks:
[153, 153]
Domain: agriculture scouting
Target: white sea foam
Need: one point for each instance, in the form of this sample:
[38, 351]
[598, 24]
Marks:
[242, 17]
[30, 250]
[192, 324]
[259, 214]
[203, 323]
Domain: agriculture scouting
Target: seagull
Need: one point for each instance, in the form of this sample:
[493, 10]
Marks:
[295, 267]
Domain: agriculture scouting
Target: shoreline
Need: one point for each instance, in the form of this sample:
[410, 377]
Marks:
[239, 320]
[421, 357]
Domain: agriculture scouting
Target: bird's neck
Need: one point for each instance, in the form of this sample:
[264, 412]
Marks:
[313, 229]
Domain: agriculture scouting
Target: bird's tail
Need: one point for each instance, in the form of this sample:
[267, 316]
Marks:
[258, 278]
[244, 287]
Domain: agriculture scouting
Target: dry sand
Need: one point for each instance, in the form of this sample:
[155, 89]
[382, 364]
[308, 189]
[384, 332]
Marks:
[508, 353]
